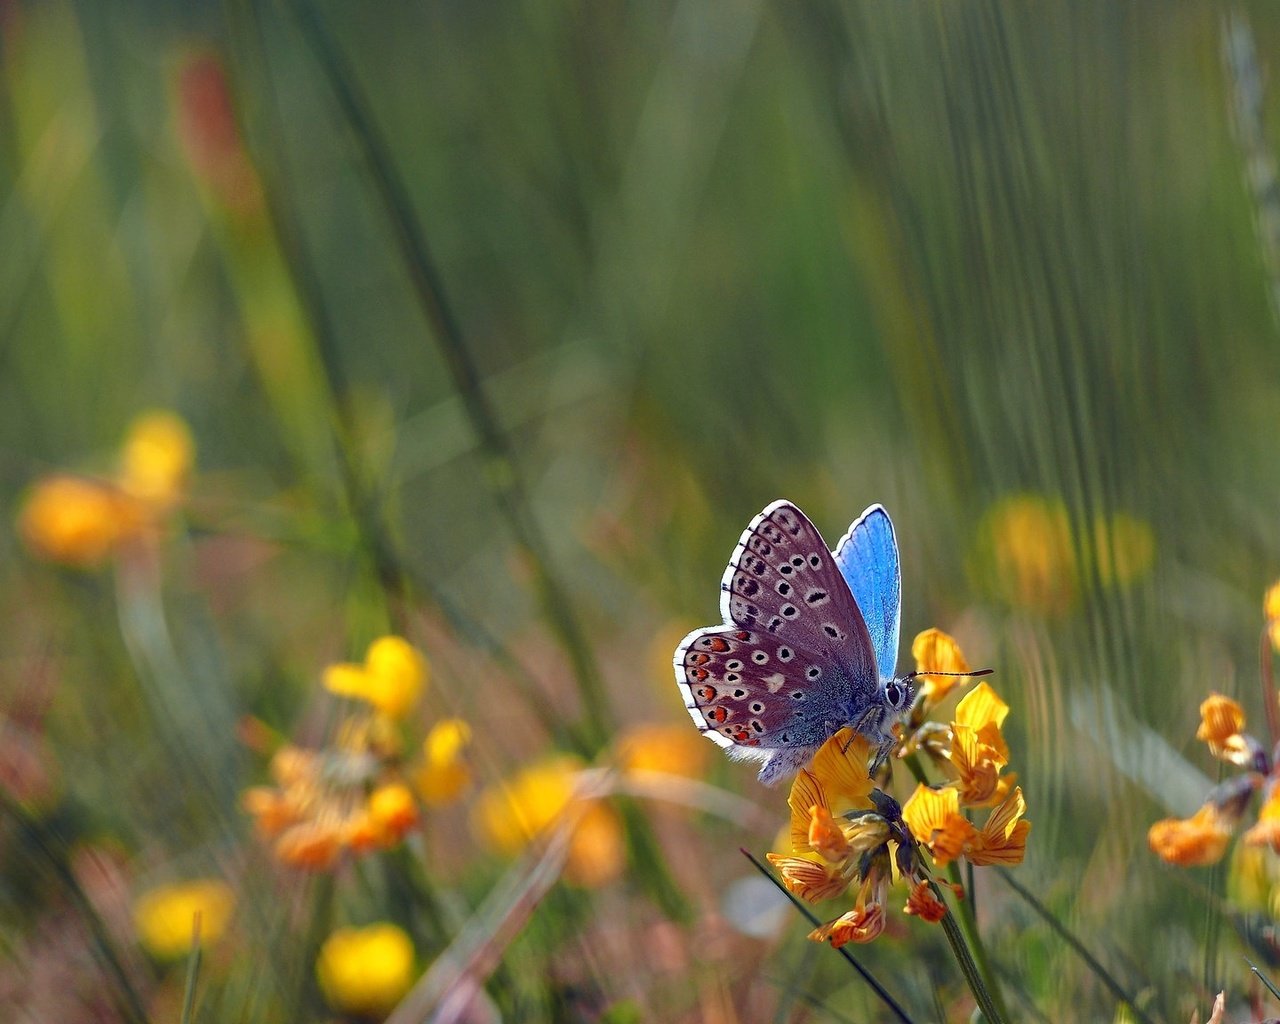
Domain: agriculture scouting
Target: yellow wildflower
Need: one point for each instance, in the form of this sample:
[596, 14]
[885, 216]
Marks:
[934, 818]
[978, 752]
[1028, 539]
[444, 772]
[366, 971]
[156, 458]
[165, 916]
[1191, 842]
[1123, 548]
[934, 650]
[861, 924]
[1003, 839]
[1271, 603]
[391, 678]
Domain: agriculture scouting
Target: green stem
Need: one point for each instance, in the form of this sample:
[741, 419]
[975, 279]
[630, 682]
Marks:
[193, 974]
[813, 919]
[967, 925]
[1100, 972]
[961, 942]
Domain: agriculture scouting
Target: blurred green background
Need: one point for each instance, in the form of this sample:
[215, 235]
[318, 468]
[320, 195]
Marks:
[692, 257]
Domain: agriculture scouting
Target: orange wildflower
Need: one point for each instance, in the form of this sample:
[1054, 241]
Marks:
[312, 846]
[1221, 727]
[1191, 842]
[861, 924]
[924, 903]
[1003, 839]
[934, 818]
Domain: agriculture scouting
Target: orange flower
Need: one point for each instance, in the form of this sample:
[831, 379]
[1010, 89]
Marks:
[312, 846]
[77, 521]
[1221, 725]
[937, 651]
[934, 818]
[924, 903]
[1003, 839]
[861, 924]
[826, 837]
[811, 878]
[1191, 842]
[392, 811]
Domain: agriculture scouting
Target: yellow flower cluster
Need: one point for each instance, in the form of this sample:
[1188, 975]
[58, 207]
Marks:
[358, 795]
[82, 521]
[845, 831]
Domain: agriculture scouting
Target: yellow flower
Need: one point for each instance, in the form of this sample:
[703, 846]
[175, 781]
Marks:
[1028, 541]
[1221, 727]
[1123, 548]
[444, 772]
[934, 818]
[670, 749]
[509, 814]
[836, 780]
[77, 521]
[391, 678]
[366, 971]
[934, 650]
[156, 458]
[1191, 842]
[1003, 839]
[978, 752]
[1267, 831]
[1271, 613]
[1271, 603]
[165, 916]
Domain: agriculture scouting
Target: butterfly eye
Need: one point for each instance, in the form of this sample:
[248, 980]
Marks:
[895, 694]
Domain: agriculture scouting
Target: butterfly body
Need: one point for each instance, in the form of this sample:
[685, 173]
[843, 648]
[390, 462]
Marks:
[808, 645]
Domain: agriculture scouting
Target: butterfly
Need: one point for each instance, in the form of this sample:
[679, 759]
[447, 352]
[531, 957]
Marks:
[809, 642]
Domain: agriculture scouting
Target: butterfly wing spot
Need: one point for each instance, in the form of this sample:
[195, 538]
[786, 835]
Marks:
[816, 597]
[798, 561]
[699, 659]
[786, 570]
[700, 674]
[716, 643]
[783, 588]
[813, 672]
[815, 561]
[797, 695]
[733, 666]
[832, 631]
[739, 693]
[776, 682]
[720, 713]
[775, 624]
[743, 635]
[707, 692]
[785, 654]
[789, 611]
[757, 725]
[760, 657]
[731, 677]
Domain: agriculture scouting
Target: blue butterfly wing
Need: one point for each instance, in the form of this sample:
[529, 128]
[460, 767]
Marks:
[867, 557]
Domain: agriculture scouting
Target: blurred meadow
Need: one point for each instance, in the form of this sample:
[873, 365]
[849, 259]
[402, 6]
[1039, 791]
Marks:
[384, 388]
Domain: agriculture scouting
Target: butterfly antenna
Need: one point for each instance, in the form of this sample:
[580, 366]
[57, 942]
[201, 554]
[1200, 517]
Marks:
[978, 672]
